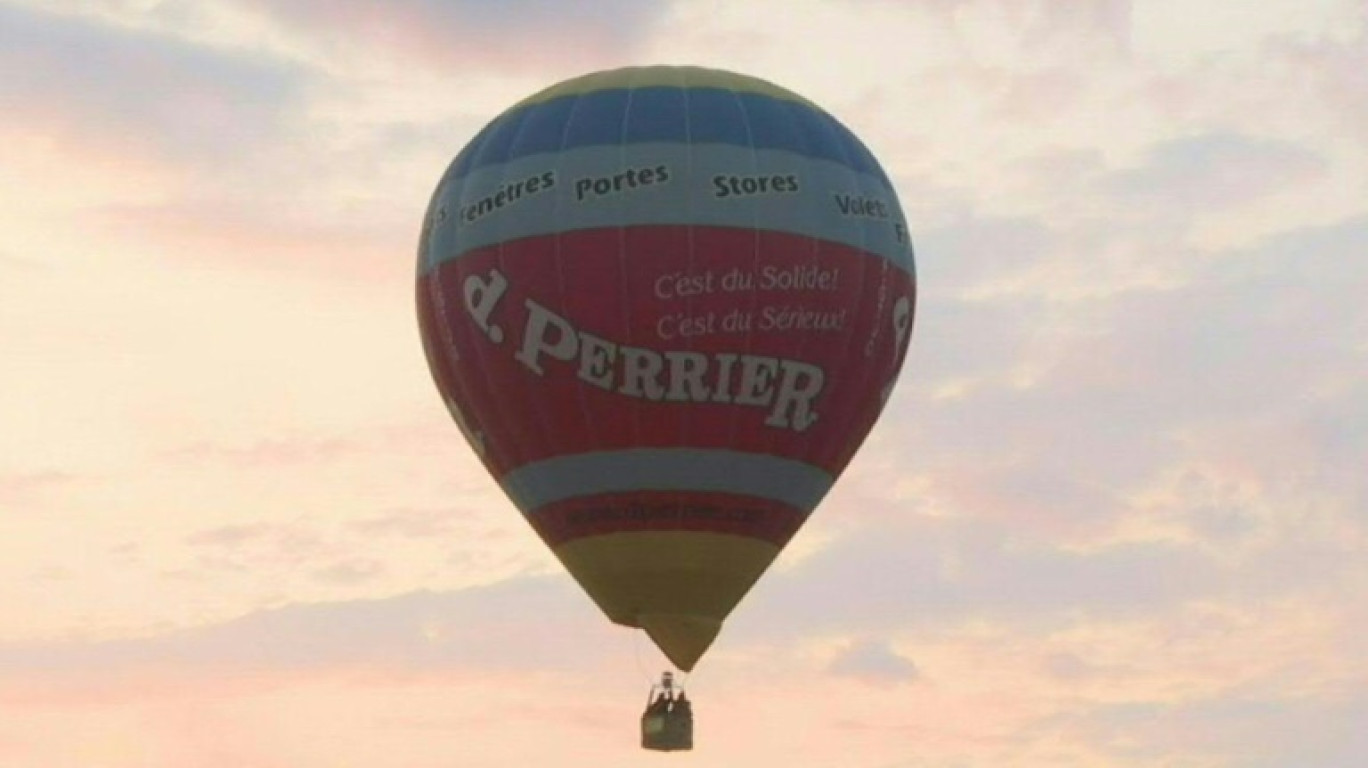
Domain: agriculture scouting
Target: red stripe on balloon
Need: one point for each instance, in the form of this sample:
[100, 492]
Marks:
[693, 511]
[662, 288]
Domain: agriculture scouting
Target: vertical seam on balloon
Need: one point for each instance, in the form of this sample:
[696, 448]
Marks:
[825, 123]
[436, 350]
[575, 104]
[559, 231]
[624, 292]
[899, 261]
[536, 408]
[755, 238]
[889, 269]
[690, 242]
[477, 351]
[814, 246]
[854, 439]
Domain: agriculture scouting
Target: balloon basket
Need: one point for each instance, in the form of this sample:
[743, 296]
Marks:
[667, 723]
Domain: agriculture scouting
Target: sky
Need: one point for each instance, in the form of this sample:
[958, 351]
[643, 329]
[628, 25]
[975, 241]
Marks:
[1115, 513]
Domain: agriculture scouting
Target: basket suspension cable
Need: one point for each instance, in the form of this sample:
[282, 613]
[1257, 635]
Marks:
[636, 654]
[636, 651]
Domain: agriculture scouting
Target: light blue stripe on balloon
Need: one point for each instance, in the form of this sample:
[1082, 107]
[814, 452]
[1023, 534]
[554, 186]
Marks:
[663, 114]
[667, 469]
[688, 198]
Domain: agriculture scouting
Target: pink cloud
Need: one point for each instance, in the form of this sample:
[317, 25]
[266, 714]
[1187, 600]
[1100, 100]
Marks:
[513, 36]
[873, 661]
[230, 535]
[255, 237]
[435, 438]
[482, 628]
[273, 452]
[23, 489]
[408, 523]
[135, 89]
[350, 571]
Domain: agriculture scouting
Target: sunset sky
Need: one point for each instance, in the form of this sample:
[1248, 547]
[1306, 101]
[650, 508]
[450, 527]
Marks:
[1116, 513]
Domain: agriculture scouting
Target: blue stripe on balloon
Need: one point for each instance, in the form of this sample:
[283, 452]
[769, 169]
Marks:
[666, 115]
[667, 469]
[688, 199]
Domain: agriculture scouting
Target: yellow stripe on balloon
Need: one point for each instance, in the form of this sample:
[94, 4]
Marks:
[677, 585]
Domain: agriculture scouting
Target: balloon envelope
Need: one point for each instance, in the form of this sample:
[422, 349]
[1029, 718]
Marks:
[665, 305]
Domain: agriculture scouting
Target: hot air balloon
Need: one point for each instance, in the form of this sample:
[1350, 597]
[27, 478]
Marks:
[665, 305]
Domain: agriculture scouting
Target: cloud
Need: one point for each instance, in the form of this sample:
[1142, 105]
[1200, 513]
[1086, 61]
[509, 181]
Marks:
[873, 661]
[408, 523]
[919, 575]
[1011, 355]
[350, 571]
[1340, 79]
[1260, 729]
[1180, 35]
[1197, 175]
[26, 489]
[421, 633]
[473, 34]
[263, 546]
[228, 535]
[273, 452]
[1057, 453]
[1237, 321]
[220, 227]
[123, 88]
